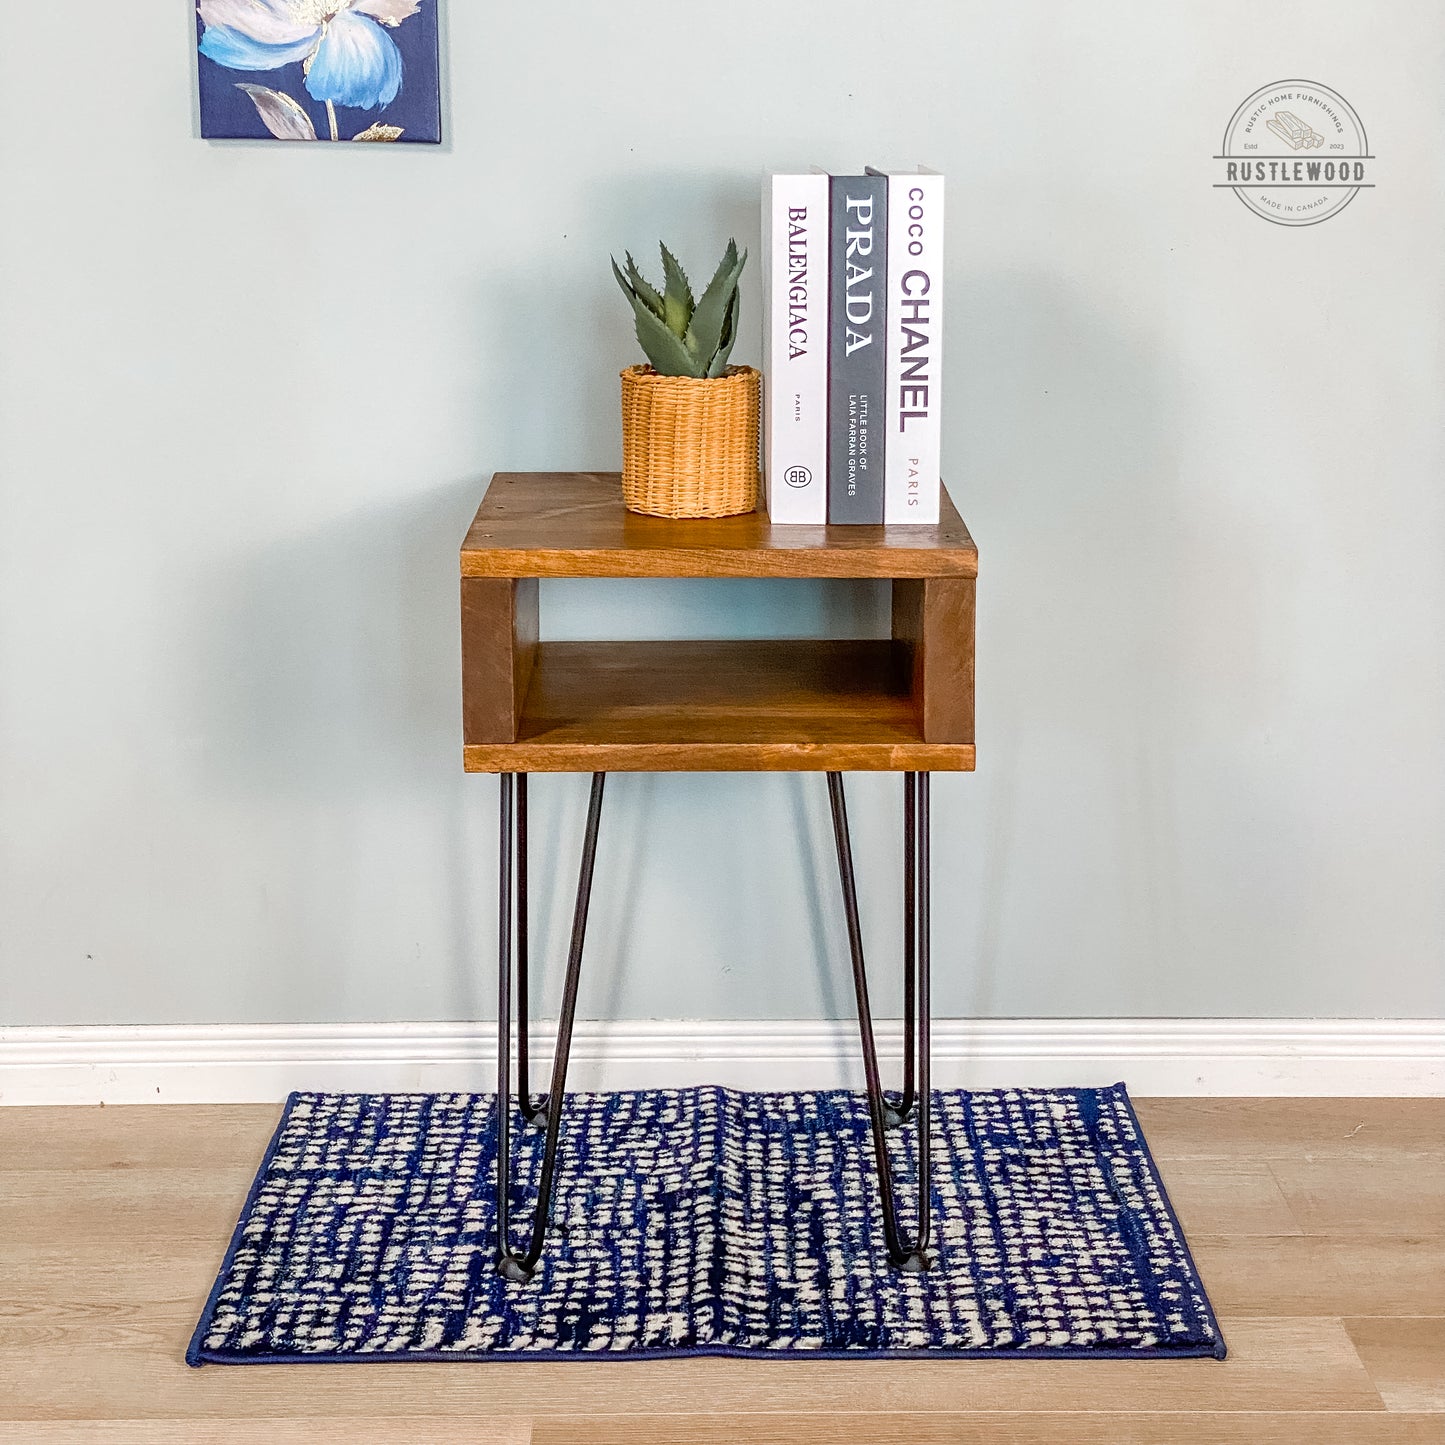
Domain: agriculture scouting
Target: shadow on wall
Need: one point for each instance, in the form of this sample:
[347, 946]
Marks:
[332, 667]
[330, 693]
[332, 711]
[1096, 568]
[555, 332]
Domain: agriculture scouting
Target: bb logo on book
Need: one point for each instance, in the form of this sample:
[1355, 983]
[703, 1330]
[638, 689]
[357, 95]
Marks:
[1295, 153]
[797, 476]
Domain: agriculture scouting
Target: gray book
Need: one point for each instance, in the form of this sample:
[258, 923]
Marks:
[857, 292]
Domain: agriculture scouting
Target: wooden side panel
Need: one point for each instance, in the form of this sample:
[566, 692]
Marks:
[524, 640]
[908, 629]
[934, 618]
[499, 647]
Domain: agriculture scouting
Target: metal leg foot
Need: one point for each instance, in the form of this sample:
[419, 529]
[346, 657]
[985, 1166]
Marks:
[917, 1010]
[513, 1264]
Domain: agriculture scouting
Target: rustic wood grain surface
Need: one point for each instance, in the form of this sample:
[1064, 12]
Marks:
[572, 524]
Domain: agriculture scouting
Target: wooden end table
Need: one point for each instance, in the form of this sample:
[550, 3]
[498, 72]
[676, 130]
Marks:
[897, 704]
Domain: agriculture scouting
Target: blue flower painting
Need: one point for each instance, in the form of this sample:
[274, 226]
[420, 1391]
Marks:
[338, 70]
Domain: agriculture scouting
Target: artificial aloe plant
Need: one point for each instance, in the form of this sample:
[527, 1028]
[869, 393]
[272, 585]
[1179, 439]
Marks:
[680, 336]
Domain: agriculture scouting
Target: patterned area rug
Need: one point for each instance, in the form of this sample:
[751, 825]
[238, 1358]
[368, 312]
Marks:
[705, 1221]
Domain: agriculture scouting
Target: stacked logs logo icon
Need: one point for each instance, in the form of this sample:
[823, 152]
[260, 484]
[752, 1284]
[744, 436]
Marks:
[1293, 131]
[1295, 153]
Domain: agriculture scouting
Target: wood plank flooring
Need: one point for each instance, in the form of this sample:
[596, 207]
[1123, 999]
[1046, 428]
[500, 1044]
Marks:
[1318, 1225]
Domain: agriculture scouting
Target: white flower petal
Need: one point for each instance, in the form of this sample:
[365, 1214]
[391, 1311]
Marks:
[270, 22]
[389, 12]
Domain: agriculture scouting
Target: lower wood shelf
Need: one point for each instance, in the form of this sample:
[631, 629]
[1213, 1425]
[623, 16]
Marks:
[744, 706]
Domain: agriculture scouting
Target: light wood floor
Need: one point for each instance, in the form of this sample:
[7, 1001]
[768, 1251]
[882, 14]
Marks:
[1319, 1227]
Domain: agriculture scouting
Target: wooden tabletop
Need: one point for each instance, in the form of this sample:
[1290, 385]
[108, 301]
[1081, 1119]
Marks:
[573, 524]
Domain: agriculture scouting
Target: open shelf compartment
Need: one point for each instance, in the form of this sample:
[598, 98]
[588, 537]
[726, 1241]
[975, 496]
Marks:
[718, 706]
[901, 703]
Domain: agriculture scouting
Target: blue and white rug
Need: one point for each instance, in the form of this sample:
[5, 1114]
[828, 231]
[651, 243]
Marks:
[706, 1221]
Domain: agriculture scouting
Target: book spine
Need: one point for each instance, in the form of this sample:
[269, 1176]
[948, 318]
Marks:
[915, 348]
[856, 330]
[795, 347]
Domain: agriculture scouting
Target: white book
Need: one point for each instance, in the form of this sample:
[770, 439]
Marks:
[914, 331]
[795, 346]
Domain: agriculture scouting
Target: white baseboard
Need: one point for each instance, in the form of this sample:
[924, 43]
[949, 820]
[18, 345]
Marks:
[243, 1063]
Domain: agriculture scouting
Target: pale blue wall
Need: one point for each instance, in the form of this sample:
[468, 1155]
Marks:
[249, 396]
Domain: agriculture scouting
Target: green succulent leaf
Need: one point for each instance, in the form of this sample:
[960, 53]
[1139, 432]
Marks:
[679, 335]
[709, 320]
[642, 288]
[677, 294]
[719, 362]
[627, 288]
[662, 348]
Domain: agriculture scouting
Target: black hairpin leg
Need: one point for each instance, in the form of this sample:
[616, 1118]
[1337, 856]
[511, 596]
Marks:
[511, 1263]
[896, 1114]
[534, 1111]
[917, 1008]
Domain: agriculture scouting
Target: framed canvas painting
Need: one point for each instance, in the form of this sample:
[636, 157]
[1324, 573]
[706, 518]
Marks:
[329, 70]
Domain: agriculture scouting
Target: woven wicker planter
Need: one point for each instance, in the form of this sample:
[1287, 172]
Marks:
[690, 445]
